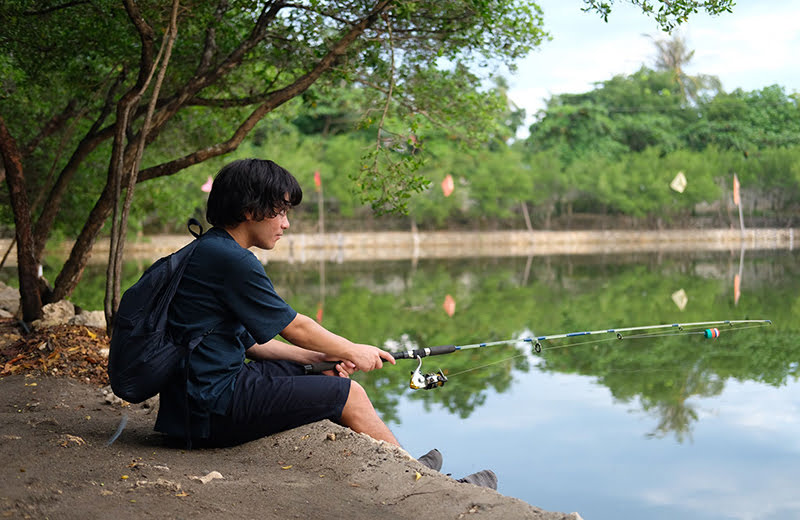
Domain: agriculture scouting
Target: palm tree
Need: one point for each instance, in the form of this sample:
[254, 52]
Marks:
[673, 56]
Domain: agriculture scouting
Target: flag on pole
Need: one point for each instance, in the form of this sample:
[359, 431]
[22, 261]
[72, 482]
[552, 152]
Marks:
[678, 183]
[447, 185]
[449, 305]
[680, 299]
[317, 180]
[736, 199]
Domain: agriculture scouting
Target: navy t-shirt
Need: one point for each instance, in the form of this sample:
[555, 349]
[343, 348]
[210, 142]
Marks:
[226, 291]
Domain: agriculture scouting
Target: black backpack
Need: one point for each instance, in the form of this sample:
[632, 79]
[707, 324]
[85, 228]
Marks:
[143, 356]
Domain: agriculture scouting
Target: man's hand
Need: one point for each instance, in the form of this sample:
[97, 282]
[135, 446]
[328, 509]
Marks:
[368, 357]
[308, 334]
[342, 368]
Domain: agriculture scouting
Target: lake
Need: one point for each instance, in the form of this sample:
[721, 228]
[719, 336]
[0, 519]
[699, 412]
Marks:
[673, 426]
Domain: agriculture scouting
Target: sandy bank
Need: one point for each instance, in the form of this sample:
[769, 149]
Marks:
[56, 465]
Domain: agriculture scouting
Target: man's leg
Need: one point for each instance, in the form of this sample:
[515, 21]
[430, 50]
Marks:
[359, 415]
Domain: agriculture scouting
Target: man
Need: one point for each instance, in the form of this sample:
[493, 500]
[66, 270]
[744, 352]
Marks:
[226, 297]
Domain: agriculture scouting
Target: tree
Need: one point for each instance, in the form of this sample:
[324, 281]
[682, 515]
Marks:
[673, 57]
[748, 121]
[83, 71]
[623, 114]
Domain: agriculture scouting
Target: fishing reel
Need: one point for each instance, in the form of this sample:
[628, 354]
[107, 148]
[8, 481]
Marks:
[426, 381]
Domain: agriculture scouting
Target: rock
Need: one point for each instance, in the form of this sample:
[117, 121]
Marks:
[56, 313]
[89, 319]
[167, 485]
[9, 298]
[208, 478]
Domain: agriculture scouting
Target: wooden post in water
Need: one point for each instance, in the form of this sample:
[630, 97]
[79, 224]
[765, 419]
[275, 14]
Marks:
[320, 205]
[738, 201]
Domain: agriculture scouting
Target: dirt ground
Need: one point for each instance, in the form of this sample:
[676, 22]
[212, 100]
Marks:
[56, 420]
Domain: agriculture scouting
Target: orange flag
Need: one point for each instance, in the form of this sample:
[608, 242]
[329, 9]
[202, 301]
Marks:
[317, 180]
[449, 305]
[447, 185]
[736, 199]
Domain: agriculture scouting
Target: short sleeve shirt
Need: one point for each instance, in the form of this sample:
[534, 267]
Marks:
[224, 290]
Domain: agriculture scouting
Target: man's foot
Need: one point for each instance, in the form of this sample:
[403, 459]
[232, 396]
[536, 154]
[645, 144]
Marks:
[432, 459]
[484, 478]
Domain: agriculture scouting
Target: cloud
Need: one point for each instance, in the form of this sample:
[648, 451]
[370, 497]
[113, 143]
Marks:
[754, 47]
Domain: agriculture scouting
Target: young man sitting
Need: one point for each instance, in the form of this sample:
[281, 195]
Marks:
[226, 297]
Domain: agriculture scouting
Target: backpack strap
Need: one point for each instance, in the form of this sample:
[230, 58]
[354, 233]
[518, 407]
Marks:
[189, 348]
[194, 222]
[187, 411]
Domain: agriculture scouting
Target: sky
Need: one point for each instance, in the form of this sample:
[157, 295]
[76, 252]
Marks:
[755, 46]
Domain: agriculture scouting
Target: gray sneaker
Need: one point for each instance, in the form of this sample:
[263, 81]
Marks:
[432, 459]
[483, 478]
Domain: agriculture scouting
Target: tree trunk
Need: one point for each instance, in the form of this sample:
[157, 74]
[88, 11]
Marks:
[31, 301]
[73, 268]
[527, 216]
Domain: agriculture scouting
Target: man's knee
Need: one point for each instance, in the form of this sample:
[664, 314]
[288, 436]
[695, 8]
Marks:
[360, 415]
[357, 397]
[358, 404]
[356, 391]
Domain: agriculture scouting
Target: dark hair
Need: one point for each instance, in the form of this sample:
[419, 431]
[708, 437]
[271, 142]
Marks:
[254, 186]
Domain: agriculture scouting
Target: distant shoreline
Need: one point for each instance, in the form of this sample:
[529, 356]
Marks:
[408, 245]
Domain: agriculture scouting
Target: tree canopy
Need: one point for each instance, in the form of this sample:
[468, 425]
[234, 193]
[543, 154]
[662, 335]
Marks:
[97, 96]
[79, 75]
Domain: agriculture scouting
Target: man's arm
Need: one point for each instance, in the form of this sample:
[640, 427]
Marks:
[308, 334]
[275, 349]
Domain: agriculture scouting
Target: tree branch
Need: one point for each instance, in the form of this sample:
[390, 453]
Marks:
[120, 225]
[275, 100]
[52, 126]
[210, 47]
[200, 81]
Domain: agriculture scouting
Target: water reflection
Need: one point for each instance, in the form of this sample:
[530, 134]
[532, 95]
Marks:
[398, 304]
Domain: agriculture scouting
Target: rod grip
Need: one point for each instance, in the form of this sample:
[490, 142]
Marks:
[318, 368]
[424, 352]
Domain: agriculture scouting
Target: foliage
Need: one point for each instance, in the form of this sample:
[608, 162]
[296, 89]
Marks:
[668, 13]
[623, 114]
[748, 121]
[232, 64]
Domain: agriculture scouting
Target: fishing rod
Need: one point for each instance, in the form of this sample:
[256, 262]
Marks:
[419, 380]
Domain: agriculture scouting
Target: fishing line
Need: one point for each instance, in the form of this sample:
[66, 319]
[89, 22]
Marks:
[692, 331]
[569, 345]
[419, 380]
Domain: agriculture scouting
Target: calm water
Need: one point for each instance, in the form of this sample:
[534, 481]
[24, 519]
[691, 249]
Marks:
[659, 428]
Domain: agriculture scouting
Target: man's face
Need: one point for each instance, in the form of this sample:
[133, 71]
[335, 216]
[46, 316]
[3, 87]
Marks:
[268, 231]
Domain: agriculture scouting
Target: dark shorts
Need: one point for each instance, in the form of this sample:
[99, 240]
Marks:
[273, 396]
